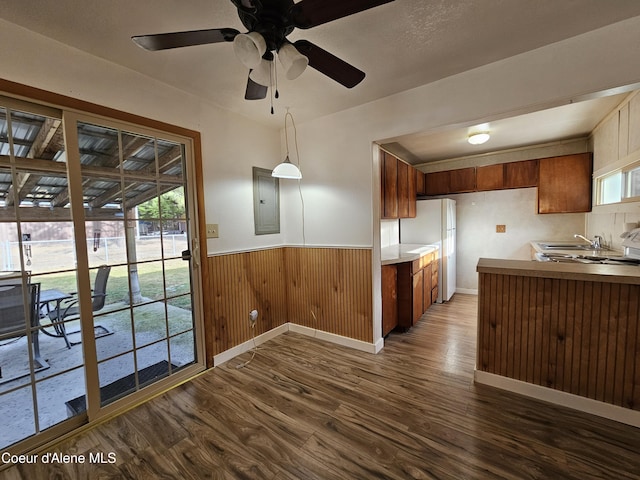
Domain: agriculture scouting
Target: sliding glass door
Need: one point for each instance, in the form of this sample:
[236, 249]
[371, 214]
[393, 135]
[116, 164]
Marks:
[137, 222]
[99, 292]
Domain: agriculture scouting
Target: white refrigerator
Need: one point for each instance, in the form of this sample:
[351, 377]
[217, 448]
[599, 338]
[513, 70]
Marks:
[435, 223]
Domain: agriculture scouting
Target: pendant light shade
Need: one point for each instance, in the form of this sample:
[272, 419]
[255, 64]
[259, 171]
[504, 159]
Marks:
[249, 48]
[262, 73]
[293, 62]
[287, 170]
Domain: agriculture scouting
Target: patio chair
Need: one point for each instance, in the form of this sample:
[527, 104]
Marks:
[16, 320]
[70, 308]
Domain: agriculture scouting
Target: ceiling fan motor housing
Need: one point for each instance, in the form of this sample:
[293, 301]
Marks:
[271, 20]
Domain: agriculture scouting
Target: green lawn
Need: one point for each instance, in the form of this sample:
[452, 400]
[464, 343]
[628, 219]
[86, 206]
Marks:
[150, 277]
[148, 318]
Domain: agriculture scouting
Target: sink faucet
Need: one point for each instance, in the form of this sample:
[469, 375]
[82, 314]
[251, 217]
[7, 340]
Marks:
[596, 243]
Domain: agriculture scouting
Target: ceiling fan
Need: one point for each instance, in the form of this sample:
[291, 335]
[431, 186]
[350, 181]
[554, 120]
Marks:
[268, 23]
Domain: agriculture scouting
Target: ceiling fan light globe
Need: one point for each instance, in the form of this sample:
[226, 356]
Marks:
[262, 73]
[293, 62]
[249, 48]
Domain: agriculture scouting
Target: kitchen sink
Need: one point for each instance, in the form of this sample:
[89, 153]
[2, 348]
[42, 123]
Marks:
[590, 259]
[565, 246]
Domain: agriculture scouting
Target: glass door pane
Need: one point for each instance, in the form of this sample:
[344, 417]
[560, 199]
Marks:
[40, 369]
[137, 224]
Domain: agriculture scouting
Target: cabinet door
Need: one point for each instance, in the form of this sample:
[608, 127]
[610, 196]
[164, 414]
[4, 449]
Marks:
[490, 177]
[437, 183]
[389, 298]
[389, 186]
[521, 174]
[564, 184]
[426, 287]
[418, 309]
[403, 189]
[412, 196]
[421, 188]
[462, 180]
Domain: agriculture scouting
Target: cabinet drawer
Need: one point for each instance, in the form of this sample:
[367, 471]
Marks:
[422, 262]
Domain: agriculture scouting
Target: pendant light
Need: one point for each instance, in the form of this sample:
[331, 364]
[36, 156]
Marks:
[287, 169]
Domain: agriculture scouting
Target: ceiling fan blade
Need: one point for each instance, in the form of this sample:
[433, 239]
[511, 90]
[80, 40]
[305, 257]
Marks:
[164, 41]
[310, 13]
[330, 65]
[255, 91]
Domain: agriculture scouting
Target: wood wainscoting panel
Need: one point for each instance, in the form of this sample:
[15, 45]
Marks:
[241, 282]
[581, 337]
[330, 290]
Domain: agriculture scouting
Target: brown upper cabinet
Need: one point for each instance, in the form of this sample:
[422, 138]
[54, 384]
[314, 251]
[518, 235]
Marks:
[403, 189]
[462, 180]
[451, 181]
[521, 174]
[437, 183]
[389, 197]
[421, 187]
[507, 175]
[490, 177]
[398, 187]
[564, 184]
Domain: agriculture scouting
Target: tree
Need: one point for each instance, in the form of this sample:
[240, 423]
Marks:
[165, 208]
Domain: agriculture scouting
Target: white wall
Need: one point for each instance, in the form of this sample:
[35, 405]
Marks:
[616, 143]
[478, 214]
[231, 144]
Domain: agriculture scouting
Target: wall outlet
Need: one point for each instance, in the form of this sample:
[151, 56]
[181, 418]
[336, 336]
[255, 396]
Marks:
[212, 230]
[501, 228]
[253, 317]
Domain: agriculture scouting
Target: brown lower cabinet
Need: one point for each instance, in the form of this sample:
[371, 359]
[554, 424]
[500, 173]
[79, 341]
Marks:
[408, 290]
[389, 298]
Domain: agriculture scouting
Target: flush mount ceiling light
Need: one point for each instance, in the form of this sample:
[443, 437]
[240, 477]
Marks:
[287, 169]
[478, 138]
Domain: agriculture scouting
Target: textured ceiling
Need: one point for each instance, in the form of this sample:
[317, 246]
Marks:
[400, 45]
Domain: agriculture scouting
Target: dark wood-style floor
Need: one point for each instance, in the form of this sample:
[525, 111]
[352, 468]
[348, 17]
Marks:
[305, 409]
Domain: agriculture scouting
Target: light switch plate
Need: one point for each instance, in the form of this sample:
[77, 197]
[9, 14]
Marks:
[212, 230]
[501, 228]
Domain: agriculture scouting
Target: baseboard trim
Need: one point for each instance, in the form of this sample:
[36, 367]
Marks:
[576, 402]
[248, 345]
[227, 355]
[333, 338]
[467, 291]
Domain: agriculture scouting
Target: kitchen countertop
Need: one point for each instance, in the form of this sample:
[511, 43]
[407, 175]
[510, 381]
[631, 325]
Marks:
[567, 271]
[405, 252]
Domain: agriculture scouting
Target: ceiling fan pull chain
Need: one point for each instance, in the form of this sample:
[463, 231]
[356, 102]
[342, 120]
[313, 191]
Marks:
[271, 75]
[275, 74]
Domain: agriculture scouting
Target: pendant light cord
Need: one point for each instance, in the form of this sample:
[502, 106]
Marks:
[295, 142]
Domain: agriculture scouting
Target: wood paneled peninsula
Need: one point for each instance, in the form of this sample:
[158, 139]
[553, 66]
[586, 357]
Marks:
[562, 332]
[409, 284]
